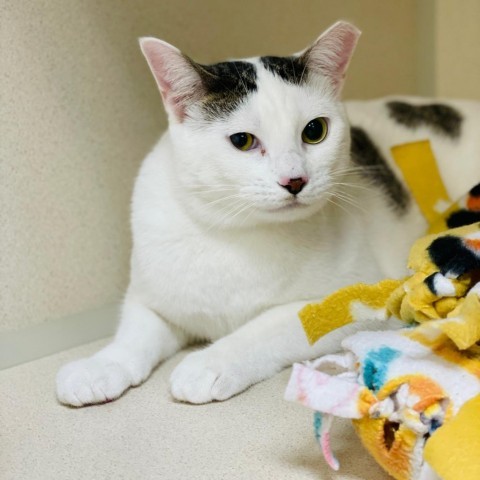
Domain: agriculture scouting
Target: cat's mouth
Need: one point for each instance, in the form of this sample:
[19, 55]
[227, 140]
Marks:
[293, 205]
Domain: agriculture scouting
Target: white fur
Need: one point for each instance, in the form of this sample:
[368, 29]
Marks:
[221, 252]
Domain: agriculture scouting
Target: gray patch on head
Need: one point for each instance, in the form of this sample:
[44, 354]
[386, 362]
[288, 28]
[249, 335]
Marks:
[441, 118]
[365, 153]
[227, 84]
[291, 69]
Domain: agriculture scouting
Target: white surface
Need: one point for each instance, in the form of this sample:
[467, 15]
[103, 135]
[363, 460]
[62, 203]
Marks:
[145, 435]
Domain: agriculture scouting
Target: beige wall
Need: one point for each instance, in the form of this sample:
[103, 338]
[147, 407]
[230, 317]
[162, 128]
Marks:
[79, 111]
[448, 59]
[457, 48]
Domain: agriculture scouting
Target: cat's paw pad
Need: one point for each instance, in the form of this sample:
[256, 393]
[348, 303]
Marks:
[91, 380]
[202, 377]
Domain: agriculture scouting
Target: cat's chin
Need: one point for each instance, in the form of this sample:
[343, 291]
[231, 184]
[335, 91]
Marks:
[290, 212]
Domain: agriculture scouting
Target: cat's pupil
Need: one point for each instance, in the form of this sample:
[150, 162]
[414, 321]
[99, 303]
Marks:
[239, 139]
[314, 130]
[242, 140]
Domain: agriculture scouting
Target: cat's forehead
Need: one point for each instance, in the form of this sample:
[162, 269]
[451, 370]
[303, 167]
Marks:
[291, 69]
[229, 84]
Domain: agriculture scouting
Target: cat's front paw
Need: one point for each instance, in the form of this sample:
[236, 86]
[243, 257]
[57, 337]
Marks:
[205, 376]
[91, 380]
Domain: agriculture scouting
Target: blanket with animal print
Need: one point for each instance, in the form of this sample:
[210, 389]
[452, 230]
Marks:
[413, 394]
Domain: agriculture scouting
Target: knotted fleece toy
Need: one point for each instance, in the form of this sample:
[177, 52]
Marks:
[413, 394]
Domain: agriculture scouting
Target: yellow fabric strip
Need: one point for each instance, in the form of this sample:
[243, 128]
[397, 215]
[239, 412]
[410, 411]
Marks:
[335, 311]
[419, 168]
[453, 450]
[440, 224]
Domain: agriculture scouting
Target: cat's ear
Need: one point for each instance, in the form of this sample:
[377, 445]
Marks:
[176, 75]
[330, 54]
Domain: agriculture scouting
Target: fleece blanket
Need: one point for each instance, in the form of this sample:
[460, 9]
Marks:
[412, 394]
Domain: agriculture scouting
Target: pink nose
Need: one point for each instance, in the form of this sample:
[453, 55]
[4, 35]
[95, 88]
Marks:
[293, 185]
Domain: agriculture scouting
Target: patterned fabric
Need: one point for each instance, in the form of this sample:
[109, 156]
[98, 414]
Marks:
[397, 387]
[444, 292]
[401, 388]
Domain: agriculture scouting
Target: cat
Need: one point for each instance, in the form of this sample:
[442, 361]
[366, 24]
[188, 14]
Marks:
[259, 198]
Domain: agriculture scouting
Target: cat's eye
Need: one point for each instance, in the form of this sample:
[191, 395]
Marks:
[315, 131]
[243, 141]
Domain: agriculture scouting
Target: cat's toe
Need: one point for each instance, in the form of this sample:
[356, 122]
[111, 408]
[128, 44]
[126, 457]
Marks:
[202, 378]
[91, 380]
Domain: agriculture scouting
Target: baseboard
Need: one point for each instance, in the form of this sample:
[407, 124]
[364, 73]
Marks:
[21, 346]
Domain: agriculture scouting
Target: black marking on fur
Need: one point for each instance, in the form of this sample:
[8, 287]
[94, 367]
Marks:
[462, 217]
[227, 84]
[291, 69]
[452, 257]
[441, 118]
[365, 153]
[430, 282]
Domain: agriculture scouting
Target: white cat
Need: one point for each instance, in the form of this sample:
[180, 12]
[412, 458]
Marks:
[250, 206]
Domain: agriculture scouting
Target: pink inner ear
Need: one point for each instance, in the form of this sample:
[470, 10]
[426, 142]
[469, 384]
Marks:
[332, 52]
[174, 76]
[155, 53]
[349, 41]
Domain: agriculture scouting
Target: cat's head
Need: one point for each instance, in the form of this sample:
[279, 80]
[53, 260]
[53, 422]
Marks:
[259, 140]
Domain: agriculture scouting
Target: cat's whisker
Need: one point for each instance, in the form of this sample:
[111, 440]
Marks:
[353, 170]
[248, 216]
[206, 184]
[339, 206]
[345, 195]
[205, 187]
[201, 191]
[349, 201]
[222, 208]
[370, 192]
[245, 207]
[228, 197]
[346, 192]
[238, 205]
[360, 167]
[210, 190]
[353, 185]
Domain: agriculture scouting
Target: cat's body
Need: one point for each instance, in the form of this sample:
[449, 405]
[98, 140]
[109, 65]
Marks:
[224, 252]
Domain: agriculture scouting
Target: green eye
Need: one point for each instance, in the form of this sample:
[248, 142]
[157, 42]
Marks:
[315, 131]
[243, 141]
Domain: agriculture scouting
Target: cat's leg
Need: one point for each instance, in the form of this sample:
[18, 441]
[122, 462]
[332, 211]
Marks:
[142, 340]
[262, 347]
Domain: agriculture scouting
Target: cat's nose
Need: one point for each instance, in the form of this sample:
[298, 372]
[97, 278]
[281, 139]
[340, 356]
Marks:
[293, 185]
